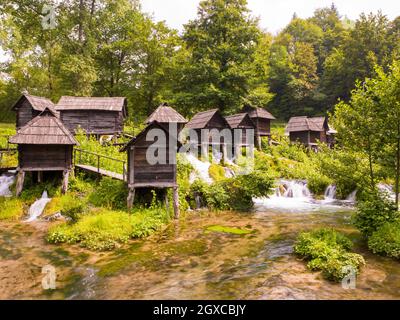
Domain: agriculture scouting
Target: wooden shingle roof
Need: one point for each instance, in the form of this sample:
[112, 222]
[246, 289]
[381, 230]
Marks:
[37, 103]
[166, 114]
[254, 112]
[241, 120]
[91, 103]
[47, 129]
[202, 119]
[304, 123]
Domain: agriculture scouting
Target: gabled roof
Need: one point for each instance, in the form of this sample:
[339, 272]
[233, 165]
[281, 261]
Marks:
[144, 132]
[166, 114]
[201, 119]
[37, 103]
[241, 120]
[307, 124]
[254, 112]
[91, 103]
[46, 128]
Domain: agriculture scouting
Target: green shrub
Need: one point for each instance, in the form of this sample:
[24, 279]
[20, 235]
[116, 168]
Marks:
[216, 172]
[109, 193]
[386, 240]
[184, 168]
[317, 183]
[106, 230]
[327, 250]
[235, 193]
[373, 212]
[11, 208]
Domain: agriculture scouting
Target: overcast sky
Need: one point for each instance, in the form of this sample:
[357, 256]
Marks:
[274, 14]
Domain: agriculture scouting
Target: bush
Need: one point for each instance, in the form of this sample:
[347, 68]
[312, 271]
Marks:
[373, 212]
[327, 250]
[107, 230]
[109, 193]
[386, 240]
[235, 193]
[11, 209]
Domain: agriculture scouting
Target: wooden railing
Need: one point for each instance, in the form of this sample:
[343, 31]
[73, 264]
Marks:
[78, 159]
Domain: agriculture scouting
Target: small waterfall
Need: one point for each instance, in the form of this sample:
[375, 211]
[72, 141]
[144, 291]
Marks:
[197, 199]
[387, 189]
[201, 169]
[352, 197]
[37, 207]
[6, 181]
[296, 189]
[330, 193]
[229, 173]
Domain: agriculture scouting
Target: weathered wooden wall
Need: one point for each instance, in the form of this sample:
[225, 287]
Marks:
[93, 121]
[44, 157]
[141, 172]
[25, 113]
[300, 136]
[263, 126]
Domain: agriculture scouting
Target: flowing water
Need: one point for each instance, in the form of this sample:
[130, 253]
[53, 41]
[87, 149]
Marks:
[6, 180]
[189, 261]
[37, 207]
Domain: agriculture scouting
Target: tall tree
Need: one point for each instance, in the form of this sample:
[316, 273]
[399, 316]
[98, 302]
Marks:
[222, 42]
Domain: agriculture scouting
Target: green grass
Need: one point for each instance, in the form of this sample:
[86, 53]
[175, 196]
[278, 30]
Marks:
[11, 209]
[106, 230]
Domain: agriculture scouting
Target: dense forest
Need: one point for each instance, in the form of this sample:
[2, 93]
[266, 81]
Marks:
[221, 59]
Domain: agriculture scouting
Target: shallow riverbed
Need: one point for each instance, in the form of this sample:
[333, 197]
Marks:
[186, 261]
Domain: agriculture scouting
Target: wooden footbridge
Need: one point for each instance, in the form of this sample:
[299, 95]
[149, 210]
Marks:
[92, 162]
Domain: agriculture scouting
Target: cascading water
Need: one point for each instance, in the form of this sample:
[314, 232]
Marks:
[6, 181]
[330, 193]
[37, 207]
[201, 169]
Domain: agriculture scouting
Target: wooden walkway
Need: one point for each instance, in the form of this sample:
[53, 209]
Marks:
[101, 172]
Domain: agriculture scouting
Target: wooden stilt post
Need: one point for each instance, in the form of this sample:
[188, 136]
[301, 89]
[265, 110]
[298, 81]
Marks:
[131, 198]
[20, 182]
[64, 187]
[40, 176]
[258, 142]
[176, 203]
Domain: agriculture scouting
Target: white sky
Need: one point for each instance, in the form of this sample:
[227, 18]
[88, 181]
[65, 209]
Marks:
[274, 14]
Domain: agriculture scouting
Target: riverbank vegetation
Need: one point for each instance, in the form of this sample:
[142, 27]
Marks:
[329, 252]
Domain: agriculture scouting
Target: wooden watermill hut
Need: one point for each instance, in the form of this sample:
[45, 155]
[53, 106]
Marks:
[262, 120]
[310, 131]
[96, 115]
[28, 106]
[165, 115]
[241, 124]
[152, 162]
[44, 144]
[213, 121]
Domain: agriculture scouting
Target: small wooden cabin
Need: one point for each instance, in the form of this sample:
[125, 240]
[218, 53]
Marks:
[142, 172]
[97, 116]
[262, 120]
[211, 119]
[241, 122]
[44, 144]
[165, 115]
[308, 131]
[27, 107]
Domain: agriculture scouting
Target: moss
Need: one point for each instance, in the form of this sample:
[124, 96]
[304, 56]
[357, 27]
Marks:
[229, 230]
[196, 247]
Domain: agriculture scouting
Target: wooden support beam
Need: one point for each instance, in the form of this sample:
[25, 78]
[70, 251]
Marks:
[20, 182]
[166, 200]
[64, 186]
[40, 176]
[176, 203]
[131, 198]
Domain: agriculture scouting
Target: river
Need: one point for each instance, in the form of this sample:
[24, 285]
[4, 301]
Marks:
[185, 261]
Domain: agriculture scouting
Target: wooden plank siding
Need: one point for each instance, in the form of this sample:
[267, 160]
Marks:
[25, 113]
[45, 157]
[93, 121]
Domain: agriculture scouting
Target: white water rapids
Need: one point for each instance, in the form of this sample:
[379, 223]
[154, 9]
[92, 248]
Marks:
[37, 207]
[6, 180]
